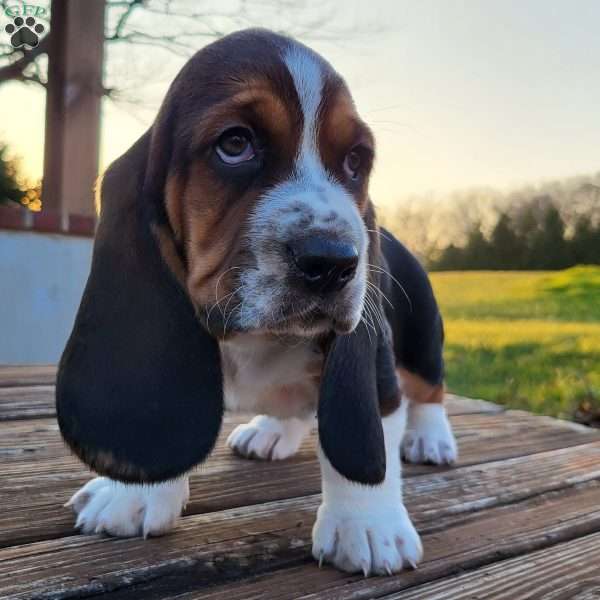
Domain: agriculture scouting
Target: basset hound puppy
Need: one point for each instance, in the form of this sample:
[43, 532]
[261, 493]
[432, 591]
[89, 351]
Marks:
[238, 264]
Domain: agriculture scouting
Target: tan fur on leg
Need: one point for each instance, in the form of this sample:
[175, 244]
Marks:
[418, 390]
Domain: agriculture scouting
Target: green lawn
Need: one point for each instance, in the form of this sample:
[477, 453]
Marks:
[525, 339]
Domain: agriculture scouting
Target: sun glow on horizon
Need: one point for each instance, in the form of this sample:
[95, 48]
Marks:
[489, 94]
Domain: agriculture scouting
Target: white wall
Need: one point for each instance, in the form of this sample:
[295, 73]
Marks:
[42, 277]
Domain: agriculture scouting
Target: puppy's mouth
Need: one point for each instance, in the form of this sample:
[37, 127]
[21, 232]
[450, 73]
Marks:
[276, 304]
[311, 321]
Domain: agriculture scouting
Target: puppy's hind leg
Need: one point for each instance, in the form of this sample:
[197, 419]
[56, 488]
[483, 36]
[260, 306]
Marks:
[428, 438]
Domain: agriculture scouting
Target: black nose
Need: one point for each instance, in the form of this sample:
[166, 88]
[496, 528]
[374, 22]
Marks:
[324, 265]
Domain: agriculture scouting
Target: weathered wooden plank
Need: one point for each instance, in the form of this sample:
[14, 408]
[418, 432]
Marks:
[37, 471]
[499, 504]
[572, 566]
[26, 402]
[17, 375]
[491, 536]
[458, 405]
[216, 548]
[41, 437]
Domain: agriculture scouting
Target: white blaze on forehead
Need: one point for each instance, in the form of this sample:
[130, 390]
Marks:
[311, 193]
[308, 79]
[311, 183]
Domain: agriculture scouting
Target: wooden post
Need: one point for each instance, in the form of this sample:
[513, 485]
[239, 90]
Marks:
[73, 101]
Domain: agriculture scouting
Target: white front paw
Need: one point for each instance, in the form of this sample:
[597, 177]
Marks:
[268, 438]
[126, 510]
[380, 542]
[429, 437]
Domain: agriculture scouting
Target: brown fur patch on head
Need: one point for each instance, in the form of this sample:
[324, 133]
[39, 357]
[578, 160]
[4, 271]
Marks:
[207, 210]
[169, 252]
[257, 103]
[341, 130]
[174, 189]
[203, 203]
[370, 219]
[215, 224]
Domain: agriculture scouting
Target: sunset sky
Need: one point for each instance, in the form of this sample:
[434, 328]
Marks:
[458, 93]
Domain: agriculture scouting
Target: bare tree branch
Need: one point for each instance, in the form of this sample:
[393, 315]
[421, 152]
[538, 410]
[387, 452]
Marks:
[14, 70]
[177, 27]
[122, 22]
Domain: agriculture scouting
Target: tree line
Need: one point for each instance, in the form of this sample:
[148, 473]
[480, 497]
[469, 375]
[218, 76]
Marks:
[468, 231]
[551, 225]
[535, 237]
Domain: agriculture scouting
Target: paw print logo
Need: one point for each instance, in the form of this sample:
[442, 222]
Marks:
[24, 32]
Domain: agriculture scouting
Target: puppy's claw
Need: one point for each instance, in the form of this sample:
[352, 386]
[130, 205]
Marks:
[388, 569]
[321, 558]
[413, 564]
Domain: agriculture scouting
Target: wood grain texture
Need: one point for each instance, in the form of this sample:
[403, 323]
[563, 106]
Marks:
[213, 549]
[37, 470]
[495, 535]
[20, 441]
[17, 375]
[26, 402]
[25, 395]
[573, 567]
[527, 488]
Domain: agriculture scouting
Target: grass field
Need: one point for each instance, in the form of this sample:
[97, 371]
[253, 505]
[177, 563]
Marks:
[524, 339]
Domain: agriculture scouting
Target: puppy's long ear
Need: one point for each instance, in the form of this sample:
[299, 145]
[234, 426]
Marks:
[358, 378]
[139, 387]
[350, 430]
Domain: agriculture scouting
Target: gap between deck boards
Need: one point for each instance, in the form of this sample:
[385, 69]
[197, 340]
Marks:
[276, 535]
[525, 483]
[44, 483]
[241, 556]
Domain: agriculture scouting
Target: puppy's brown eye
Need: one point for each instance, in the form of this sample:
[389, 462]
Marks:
[352, 164]
[235, 146]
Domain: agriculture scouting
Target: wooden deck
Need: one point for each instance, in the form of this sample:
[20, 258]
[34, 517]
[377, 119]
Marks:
[518, 518]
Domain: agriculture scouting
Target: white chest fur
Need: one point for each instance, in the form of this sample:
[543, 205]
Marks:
[272, 376]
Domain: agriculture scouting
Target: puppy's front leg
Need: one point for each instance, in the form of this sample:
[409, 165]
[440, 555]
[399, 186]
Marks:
[125, 510]
[366, 528]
